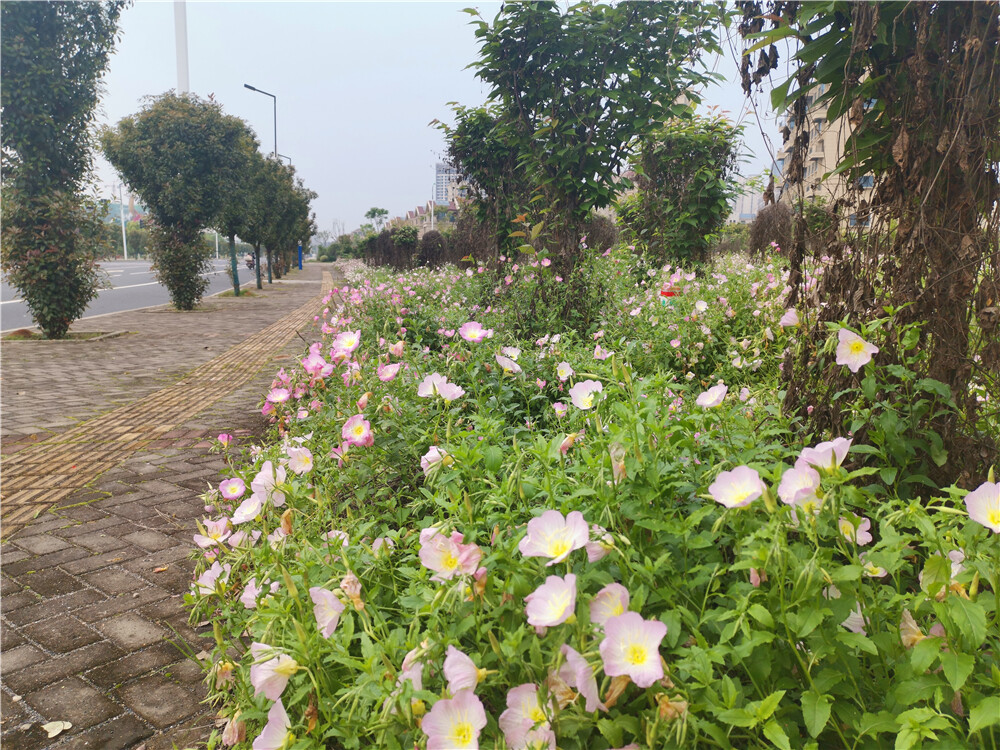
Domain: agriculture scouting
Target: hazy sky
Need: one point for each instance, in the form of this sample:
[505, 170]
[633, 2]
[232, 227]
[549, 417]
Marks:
[356, 83]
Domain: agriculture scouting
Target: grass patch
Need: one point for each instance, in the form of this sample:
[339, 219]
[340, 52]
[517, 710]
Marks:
[27, 334]
[243, 293]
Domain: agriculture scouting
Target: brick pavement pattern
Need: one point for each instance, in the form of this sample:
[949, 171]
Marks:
[92, 625]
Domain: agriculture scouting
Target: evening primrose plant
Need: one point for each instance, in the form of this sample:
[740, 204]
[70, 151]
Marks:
[471, 540]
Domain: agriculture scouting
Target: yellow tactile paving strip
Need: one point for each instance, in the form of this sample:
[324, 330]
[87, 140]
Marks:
[49, 471]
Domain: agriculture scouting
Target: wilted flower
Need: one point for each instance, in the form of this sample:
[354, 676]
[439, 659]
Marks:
[737, 488]
[577, 673]
[327, 609]
[983, 505]
[351, 586]
[554, 536]
[712, 397]
[854, 351]
[455, 723]
[601, 353]
[582, 394]
[569, 441]
[553, 602]
[599, 544]
[234, 731]
[631, 647]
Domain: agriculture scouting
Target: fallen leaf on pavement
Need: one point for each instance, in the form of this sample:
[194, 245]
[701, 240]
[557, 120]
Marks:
[55, 728]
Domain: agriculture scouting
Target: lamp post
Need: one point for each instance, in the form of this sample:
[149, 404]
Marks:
[259, 91]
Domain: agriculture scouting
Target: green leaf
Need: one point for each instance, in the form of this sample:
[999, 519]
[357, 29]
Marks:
[815, 712]
[761, 615]
[936, 575]
[984, 714]
[957, 668]
[493, 458]
[970, 617]
[738, 717]
[611, 732]
[924, 654]
[774, 732]
[769, 705]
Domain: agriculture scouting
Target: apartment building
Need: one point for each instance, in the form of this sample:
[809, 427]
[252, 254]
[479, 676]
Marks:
[826, 146]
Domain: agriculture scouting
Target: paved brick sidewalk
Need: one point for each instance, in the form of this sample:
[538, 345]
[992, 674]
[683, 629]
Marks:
[92, 589]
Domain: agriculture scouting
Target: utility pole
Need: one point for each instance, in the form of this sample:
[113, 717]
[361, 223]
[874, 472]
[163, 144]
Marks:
[121, 214]
[180, 32]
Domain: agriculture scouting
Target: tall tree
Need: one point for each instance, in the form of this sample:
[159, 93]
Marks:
[177, 154]
[53, 56]
[578, 87]
[231, 218]
[377, 216]
[919, 86]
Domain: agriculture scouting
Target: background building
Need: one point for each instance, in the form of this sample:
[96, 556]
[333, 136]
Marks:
[445, 183]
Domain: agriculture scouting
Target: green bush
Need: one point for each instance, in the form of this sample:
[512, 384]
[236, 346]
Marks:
[179, 262]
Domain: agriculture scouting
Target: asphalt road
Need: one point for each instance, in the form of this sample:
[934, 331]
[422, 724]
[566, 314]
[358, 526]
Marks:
[133, 286]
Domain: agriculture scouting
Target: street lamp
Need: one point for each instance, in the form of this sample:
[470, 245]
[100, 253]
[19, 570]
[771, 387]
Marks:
[259, 91]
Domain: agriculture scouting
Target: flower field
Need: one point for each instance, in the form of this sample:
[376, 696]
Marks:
[475, 527]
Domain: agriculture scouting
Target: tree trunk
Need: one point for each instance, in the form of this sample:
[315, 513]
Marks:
[234, 265]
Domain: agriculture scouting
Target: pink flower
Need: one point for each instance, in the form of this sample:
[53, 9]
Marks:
[560, 408]
[248, 509]
[278, 395]
[327, 609]
[857, 532]
[347, 342]
[232, 488]
[265, 484]
[540, 383]
[854, 351]
[554, 536]
[300, 460]
[433, 459]
[448, 556]
[396, 349]
[208, 582]
[474, 332]
[358, 431]
[460, 671]
[790, 318]
[736, 488]
[564, 372]
[250, 593]
[553, 602]
[336, 535]
[511, 351]
[388, 372]
[275, 732]
[509, 366]
[455, 723]
[599, 544]
[271, 671]
[225, 439]
[436, 384]
[826, 456]
[798, 486]
[578, 674]
[871, 569]
[610, 601]
[983, 505]
[757, 577]
[631, 647]
[582, 394]
[523, 714]
[568, 441]
[600, 353]
[216, 532]
[712, 397]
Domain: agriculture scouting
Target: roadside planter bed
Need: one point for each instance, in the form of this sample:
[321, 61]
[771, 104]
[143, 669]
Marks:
[596, 539]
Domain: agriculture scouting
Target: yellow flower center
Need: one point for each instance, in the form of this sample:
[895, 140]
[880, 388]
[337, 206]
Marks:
[558, 547]
[287, 668]
[359, 430]
[857, 347]
[847, 529]
[617, 609]
[536, 715]
[993, 516]
[449, 561]
[635, 654]
[462, 734]
[588, 401]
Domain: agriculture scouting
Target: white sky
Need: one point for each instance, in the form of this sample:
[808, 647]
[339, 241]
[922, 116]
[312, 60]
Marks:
[356, 83]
